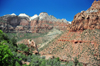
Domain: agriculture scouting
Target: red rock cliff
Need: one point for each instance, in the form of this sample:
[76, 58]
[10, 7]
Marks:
[89, 19]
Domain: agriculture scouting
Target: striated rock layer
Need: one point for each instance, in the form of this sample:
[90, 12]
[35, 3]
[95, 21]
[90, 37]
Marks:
[89, 19]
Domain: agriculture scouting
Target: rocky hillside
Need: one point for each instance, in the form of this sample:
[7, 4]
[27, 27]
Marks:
[83, 45]
[35, 24]
[89, 19]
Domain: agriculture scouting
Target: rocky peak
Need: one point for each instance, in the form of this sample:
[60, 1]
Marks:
[95, 7]
[23, 15]
[44, 16]
[13, 14]
[96, 4]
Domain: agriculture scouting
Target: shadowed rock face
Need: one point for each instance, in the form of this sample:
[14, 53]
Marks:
[89, 19]
[14, 21]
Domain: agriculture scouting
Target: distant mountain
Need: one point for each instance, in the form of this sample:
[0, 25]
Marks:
[23, 22]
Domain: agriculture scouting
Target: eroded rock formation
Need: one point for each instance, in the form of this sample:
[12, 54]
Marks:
[31, 44]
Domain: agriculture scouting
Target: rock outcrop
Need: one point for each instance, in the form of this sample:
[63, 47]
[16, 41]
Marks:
[89, 19]
[31, 44]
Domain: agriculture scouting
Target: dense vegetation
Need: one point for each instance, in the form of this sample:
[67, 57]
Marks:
[9, 55]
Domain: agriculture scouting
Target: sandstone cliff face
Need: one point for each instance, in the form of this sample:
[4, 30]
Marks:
[89, 19]
[24, 22]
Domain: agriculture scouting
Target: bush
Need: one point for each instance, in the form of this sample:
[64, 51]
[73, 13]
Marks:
[57, 59]
[79, 64]
[14, 41]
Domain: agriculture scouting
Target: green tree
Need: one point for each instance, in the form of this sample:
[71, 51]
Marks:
[5, 54]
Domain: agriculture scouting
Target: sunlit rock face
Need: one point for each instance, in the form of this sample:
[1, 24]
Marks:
[23, 15]
[89, 19]
[34, 17]
[24, 22]
[44, 16]
[13, 14]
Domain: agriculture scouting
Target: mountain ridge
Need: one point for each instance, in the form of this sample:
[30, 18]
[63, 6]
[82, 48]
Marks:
[34, 16]
[23, 22]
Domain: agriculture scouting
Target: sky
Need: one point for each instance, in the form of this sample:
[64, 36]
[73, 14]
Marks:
[66, 9]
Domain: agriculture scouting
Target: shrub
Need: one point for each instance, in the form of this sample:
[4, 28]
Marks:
[23, 47]
[57, 59]
[29, 58]
[3, 36]
[76, 61]
[17, 64]
[70, 63]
